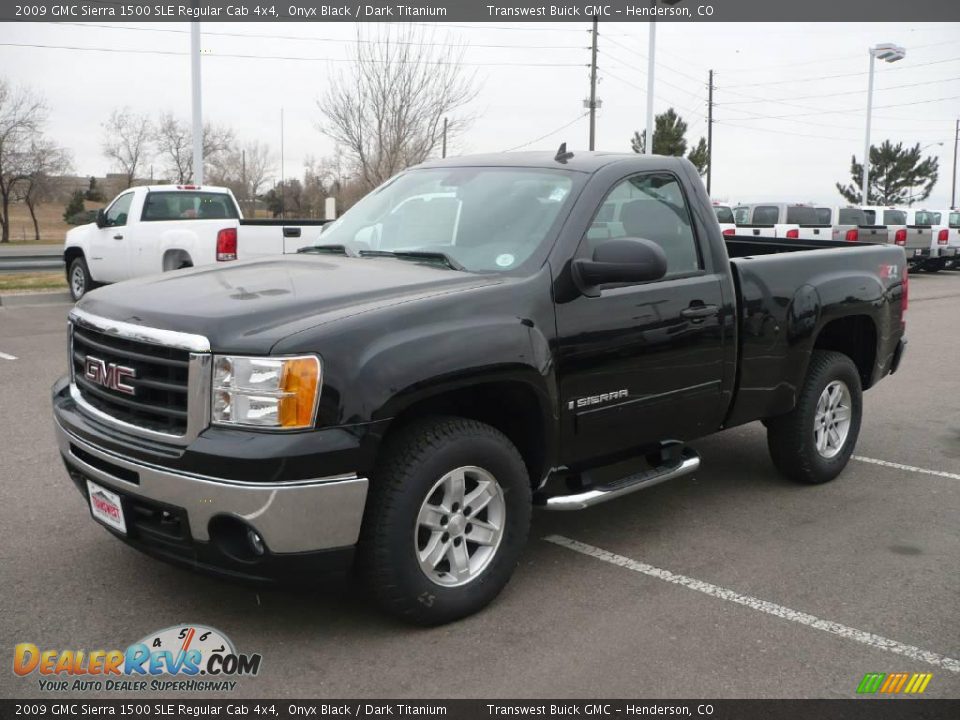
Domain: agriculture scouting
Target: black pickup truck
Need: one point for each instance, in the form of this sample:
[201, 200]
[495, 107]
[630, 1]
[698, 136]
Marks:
[476, 337]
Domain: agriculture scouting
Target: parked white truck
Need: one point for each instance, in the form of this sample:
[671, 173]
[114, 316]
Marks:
[793, 221]
[157, 228]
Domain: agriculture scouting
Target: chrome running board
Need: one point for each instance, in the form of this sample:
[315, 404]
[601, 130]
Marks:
[688, 463]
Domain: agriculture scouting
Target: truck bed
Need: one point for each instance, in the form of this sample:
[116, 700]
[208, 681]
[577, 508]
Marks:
[785, 300]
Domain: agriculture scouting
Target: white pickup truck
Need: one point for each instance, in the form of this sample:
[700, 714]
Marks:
[724, 213]
[793, 221]
[157, 228]
[946, 231]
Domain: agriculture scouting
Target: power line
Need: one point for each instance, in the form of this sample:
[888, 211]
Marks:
[283, 57]
[310, 38]
[844, 112]
[552, 132]
[841, 75]
[783, 132]
[836, 94]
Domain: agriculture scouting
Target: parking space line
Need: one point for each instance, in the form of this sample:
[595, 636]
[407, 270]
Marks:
[908, 468]
[5, 356]
[866, 638]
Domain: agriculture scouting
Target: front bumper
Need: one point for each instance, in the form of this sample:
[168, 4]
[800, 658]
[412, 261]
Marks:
[199, 519]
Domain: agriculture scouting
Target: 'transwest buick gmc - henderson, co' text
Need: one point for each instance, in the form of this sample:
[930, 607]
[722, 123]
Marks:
[475, 337]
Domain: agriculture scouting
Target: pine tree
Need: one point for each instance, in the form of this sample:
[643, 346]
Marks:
[74, 207]
[669, 138]
[898, 176]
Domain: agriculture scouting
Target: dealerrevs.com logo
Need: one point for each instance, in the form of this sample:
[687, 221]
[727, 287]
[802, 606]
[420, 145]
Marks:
[178, 658]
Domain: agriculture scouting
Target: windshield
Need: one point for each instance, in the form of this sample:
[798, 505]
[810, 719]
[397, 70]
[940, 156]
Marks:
[483, 219]
[724, 214]
[925, 217]
[852, 216]
[802, 215]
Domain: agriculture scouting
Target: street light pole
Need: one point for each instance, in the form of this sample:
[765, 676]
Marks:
[651, 51]
[197, 109]
[889, 53]
[865, 183]
[953, 186]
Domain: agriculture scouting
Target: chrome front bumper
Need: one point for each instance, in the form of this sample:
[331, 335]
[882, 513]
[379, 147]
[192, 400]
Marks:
[294, 517]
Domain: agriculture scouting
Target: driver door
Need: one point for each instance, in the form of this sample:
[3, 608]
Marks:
[109, 256]
[642, 363]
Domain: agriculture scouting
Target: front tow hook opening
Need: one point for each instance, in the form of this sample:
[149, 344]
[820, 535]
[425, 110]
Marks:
[237, 539]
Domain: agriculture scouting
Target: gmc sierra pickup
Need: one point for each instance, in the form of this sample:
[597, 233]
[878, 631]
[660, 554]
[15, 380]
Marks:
[475, 337]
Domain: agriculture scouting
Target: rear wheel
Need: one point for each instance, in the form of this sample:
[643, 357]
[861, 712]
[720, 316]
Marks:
[446, 520]
[813, 442]
[78, 278]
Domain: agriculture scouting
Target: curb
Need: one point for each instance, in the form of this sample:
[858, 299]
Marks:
[39, 298]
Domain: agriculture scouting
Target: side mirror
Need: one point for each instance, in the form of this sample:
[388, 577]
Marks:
[624, 260]
[101, 218]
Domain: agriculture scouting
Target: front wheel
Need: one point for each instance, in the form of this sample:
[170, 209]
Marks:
[447, 518]
[78, 277]
[814, 441]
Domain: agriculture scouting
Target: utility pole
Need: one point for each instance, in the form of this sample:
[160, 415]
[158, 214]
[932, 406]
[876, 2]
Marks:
[197, 109]
[593, 86]
[953, 187]
[282, 201]
[243, 178]
[709, 132]
[444, 153]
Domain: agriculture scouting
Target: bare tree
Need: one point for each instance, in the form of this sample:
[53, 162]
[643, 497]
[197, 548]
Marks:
[388, 112]
[22, 113]
[126, 141]
[173, 145]
[44, 161]
[173, 140]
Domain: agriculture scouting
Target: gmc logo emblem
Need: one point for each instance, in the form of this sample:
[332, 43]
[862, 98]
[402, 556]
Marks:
[109, 375]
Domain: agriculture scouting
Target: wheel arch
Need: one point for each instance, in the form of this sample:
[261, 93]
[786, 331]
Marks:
[856, 337]
[176, 258]
[512, 406]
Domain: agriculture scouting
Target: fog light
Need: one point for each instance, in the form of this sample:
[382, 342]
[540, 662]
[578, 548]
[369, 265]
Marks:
[256, 542]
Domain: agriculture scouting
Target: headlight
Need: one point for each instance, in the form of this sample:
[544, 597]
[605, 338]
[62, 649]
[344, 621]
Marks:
[266, 392]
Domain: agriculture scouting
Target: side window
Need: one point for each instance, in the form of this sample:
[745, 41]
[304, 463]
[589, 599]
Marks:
[649, 207]
[117, 213]
[765, 215]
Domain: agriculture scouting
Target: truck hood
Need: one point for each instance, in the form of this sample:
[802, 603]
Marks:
[249, 306]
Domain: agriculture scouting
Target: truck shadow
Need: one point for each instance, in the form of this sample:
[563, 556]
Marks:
[736, 469]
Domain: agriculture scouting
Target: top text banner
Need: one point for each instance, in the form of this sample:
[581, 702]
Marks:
[481, 11]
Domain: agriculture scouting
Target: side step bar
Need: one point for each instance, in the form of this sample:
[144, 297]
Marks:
[688, 463]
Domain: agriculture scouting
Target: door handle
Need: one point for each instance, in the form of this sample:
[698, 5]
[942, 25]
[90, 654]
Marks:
[698, 311]
[118, 237]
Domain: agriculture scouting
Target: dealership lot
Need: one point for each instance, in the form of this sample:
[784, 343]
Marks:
[860, 575]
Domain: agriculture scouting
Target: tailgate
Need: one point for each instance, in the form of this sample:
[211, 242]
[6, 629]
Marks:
[815, 232]
[918, 236]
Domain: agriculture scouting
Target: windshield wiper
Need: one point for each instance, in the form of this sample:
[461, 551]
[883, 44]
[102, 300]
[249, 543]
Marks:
[329, 249]
[415, 255]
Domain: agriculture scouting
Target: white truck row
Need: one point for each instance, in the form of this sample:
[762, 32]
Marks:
[930, 238]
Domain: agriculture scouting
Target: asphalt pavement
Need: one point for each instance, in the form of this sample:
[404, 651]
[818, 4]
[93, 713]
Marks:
[732, 582]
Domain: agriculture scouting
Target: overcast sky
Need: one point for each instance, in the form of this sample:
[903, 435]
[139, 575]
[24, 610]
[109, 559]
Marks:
[790, 97]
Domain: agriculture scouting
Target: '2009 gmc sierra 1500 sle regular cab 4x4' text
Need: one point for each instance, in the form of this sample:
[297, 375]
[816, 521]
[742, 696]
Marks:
[476, 336]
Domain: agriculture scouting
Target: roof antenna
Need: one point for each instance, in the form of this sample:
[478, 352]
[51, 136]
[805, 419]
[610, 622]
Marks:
[562, 155]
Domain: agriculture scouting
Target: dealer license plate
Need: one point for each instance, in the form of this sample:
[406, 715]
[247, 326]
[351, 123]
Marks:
[105, 506]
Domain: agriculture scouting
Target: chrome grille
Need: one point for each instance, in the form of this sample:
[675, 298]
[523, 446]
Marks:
[164, 391]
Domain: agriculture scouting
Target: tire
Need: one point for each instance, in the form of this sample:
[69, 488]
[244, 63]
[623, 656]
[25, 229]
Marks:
[793, 438]
[418, 469]
[78, 279]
